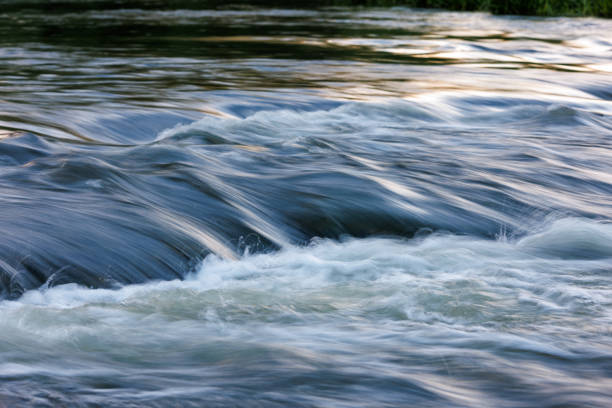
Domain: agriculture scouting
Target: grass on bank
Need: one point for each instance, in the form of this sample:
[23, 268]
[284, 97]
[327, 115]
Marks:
[600, 8]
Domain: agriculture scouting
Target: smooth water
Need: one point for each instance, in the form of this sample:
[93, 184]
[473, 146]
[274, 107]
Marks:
[333, 208]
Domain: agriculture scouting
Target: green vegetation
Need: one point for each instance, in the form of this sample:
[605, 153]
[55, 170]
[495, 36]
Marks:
[601, 8]
[529, 7]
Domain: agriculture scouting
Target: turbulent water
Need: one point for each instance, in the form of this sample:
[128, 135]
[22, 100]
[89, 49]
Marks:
[332, 208]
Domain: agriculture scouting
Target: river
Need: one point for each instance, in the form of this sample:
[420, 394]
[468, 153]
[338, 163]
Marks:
[344, 207]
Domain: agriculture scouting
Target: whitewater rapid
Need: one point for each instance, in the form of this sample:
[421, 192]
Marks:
[339, 207]
[334, 323]
[278, 177]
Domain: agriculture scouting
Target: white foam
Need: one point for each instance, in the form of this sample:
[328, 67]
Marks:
[424, 277]
[353, 302]
[571, 238]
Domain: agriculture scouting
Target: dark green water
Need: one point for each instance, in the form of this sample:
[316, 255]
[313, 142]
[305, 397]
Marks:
[332, 208]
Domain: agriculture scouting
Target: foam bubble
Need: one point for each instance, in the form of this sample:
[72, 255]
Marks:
[381, 304]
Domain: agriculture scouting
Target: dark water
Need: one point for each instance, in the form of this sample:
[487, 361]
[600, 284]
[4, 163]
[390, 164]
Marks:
[334, 208]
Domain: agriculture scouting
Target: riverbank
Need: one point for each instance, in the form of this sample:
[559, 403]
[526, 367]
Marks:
[599, 8]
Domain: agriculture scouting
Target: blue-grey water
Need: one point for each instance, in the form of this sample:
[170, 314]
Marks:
[246, 207]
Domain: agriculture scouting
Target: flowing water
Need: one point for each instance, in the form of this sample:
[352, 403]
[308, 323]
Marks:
[330, 208]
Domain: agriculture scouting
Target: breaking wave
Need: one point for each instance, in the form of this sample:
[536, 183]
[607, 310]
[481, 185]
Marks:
[280, 177]
[438, 315]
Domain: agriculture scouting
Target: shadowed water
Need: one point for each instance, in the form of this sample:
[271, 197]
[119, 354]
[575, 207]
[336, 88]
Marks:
[343, 207]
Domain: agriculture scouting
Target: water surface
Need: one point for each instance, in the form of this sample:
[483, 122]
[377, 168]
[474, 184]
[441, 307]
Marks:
[342, 207]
